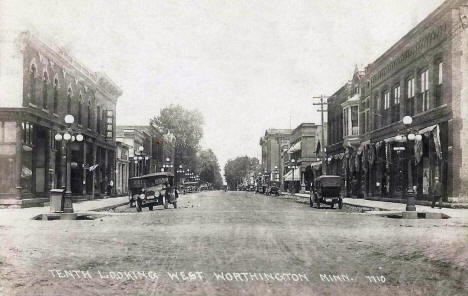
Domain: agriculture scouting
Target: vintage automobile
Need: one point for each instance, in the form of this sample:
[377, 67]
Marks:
[273, 188]
[153, 190]
[326, 189]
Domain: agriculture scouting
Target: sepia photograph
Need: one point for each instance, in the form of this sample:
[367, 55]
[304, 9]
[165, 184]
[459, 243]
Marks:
[248, 147]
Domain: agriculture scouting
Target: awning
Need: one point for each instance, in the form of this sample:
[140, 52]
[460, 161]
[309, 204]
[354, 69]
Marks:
[427, 129]
[316, 164]
[289, 175]
[295, 147]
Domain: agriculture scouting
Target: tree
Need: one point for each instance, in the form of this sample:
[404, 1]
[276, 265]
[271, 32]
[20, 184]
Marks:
[240, 168]
[187, 127]
[208, 168]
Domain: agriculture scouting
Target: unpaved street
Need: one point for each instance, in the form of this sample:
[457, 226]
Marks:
[234, 243]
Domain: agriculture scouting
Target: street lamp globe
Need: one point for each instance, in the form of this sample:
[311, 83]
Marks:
[168, 159]
[411, 137]
[140, 158]
[67, 136]
[399, 138]
[407, 120]
[418, 137]
[73, 139]
[69, 119]
[58, 137]
[141, 148]
[293, 160]
[79, 137]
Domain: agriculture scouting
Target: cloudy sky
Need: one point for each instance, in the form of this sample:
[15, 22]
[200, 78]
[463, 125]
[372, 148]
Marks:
[247, 65]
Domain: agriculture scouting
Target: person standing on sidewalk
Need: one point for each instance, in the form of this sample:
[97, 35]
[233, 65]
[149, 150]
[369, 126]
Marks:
[437, 193]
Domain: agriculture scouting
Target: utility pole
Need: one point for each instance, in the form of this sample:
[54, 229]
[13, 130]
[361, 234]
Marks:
[322, 141]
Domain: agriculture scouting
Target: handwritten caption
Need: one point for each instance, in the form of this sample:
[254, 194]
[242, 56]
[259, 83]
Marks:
[184, 276]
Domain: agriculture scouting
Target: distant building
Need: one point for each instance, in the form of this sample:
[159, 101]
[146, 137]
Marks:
[40, 84]
[271, 153]
[122, 168]
[305, 150]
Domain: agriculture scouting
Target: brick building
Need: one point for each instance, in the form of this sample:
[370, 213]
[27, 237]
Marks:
[423, 75]
[41, 83]
[157, 149]
[271, 152]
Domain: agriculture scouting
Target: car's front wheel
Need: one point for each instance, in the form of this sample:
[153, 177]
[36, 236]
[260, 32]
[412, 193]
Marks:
[175, 205]
[340, 204]
[166, 204]
[311, 202]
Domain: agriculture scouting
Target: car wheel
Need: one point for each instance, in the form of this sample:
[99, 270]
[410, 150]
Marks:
[340, 204]
[332, 205]
[175, 205]
[166, 205]
[150, 208]
[318, 204]
[138, 206]
[311, 202]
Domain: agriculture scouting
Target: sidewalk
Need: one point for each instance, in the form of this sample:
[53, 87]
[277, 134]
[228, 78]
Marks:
[9, 215]
[393, 206]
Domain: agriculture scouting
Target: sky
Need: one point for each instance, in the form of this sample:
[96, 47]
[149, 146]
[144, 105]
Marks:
[247, 65]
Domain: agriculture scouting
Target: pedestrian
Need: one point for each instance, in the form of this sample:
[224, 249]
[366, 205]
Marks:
[437, 193]
[109, 187]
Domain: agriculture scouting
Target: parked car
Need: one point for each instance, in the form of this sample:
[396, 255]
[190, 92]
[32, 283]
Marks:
[153, 190]
[326, 189]
[273, 188]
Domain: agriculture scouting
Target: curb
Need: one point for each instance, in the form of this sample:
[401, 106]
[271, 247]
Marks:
[108, 207]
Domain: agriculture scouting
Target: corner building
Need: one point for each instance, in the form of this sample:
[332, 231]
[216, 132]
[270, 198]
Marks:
[424, 75]
[40, 84]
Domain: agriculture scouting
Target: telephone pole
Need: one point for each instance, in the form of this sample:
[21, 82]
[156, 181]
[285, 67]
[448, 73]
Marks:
[322, 141]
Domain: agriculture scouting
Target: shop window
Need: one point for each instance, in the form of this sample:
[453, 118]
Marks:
[424, 94]
[45, 80]
[410, 106]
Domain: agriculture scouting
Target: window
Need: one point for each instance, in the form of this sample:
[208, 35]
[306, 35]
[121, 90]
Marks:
[7, 132]
[354, 120]
[441, 73]
[438, 88]
[366, 114]
[69, 100]
[98, 119]
[80, 107]
[425, 90]
[410, 84]
[32, 78]
[89, 114]
[55, 95]
[45, 80]
[28, 130]
[396, 103]
[377, 115]
[345, 121]
[386, 100]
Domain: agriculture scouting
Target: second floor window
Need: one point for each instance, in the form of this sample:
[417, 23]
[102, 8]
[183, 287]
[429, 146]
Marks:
[425, 90]
[89, 114]
[32, 91]
[80, 106]
[396, 103]
[69, 101]
[45, 79]
[410, 96]
[386, 100]
[438, 88]
[98, 119]
[55, 95]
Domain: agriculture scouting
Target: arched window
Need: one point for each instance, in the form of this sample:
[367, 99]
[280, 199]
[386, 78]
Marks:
[69, 100]
[45, 80]
[55, 95]
[89, 114]
[32, 78]
[98, 119]
[80, 105]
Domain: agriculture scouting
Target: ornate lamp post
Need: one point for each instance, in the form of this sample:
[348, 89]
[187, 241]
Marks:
[276, 173]
[407, 137]
[141, 159]
[167, 166]
[68, 135]
[180, 173]
[292, 166]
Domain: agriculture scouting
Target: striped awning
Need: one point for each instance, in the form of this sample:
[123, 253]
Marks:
[289, 175]
[295, 147]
